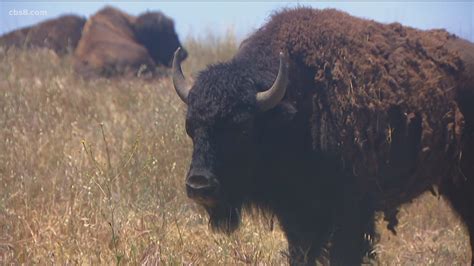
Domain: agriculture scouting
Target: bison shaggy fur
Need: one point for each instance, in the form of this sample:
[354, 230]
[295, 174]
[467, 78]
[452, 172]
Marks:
[60, 34]
[374, 114]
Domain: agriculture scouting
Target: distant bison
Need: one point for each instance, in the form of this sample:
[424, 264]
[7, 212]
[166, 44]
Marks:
[358, 117]
[114, 42]
[60, 34]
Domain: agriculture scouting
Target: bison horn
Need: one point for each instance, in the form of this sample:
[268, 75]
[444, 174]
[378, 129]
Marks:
[268, 99]
[180, 85]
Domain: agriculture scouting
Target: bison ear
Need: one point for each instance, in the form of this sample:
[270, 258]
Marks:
[281, 114]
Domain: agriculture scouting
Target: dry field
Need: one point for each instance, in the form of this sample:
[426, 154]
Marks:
[91, 172]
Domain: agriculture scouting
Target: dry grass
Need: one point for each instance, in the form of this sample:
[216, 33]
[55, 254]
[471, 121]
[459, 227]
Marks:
[429, 233]
[91, 172]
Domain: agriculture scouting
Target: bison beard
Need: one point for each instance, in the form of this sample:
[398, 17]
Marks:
[224, 218]
[370, 116]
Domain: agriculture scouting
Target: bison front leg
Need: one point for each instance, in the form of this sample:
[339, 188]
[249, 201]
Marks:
[354, 231]
[306, 237]
[303, 250]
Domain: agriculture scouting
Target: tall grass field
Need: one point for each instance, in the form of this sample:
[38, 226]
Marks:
[92, 173]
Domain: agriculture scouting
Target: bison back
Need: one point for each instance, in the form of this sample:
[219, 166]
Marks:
[61, 34]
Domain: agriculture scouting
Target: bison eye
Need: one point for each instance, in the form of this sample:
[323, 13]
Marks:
[244, 120]
[243, 129]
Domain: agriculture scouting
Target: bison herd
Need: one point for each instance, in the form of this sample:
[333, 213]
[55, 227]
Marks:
[109, 43]
[320, 118]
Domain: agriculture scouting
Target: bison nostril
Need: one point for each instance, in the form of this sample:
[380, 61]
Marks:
[200, 182]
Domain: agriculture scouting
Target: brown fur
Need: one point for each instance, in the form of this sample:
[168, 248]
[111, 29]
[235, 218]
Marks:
[60, 34]
[376, 84]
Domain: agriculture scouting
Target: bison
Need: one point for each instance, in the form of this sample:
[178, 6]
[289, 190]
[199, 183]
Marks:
[60, 34]
[357, 117]
[114, 42]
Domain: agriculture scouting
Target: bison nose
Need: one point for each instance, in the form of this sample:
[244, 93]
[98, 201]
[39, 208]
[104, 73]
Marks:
[201, 186]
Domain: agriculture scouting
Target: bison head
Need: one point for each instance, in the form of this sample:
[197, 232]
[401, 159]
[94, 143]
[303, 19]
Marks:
[224, 110]
[156, 32]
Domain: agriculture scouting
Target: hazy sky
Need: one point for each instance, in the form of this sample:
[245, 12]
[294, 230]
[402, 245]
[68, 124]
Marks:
[197, 17]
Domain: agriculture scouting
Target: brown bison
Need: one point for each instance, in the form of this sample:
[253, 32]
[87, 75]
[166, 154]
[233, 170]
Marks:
[114, 42]
[60, 34]
[357, 117]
